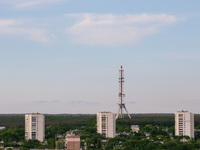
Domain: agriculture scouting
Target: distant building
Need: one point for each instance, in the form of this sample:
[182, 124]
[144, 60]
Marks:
[184, 140]
[2, 128]
[184, 123]
[135, 128]
[72, 142]
[147, 134]
[106, 124]
[35, 126]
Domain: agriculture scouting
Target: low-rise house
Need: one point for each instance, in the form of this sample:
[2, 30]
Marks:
[72, 142]
[2, 128]
[184, 140]
[147, 134]
[135, 128]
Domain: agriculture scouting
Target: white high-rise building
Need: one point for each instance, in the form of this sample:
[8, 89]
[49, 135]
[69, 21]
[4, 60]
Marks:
[35, 126]
[106, 124]
[184, 123]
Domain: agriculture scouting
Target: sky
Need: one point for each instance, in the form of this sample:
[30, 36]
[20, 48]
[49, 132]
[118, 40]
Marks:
[64, 56]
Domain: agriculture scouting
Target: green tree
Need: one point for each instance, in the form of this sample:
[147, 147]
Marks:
[60, 144]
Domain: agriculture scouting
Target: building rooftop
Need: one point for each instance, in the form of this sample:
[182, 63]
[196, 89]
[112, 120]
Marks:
[183, 111]
[2, 128]
[34, 113]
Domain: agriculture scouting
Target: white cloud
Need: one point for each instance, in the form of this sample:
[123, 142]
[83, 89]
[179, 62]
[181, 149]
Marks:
[44, 102]
[19, 28]
[109, 29]
[183, 55]
[78, 102]
[5, 23]
[27, 3]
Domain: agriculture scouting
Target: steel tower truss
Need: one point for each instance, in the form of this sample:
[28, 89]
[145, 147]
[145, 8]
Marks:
[121, 105]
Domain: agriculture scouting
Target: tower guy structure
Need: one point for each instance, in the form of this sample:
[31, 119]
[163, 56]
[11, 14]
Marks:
[121, 104]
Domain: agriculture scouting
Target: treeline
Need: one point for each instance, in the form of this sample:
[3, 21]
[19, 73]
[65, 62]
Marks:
[55, 125]
[18, 120]
[155, 124]
[8, 120]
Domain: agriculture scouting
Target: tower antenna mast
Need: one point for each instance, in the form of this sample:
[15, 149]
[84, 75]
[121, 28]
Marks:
[121, 105]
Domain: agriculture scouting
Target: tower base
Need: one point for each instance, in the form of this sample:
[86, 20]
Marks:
[120, 110]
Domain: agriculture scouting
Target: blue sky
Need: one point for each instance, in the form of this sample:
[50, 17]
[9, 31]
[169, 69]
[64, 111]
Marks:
[63, 56]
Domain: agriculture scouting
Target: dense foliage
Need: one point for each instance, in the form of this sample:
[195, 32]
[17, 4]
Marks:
[159, 127]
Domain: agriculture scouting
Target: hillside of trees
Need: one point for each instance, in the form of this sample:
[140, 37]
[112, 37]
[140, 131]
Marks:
[155, 124]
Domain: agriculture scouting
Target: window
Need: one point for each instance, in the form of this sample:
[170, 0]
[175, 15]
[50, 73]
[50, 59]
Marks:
[33, 119]
[103, 126]
[103, 119]
[104, 134]
[33, 135]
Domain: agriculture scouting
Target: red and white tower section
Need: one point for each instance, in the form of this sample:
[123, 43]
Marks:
[121, 104]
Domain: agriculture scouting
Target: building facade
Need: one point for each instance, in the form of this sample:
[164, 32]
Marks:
[106, 124]
[35, 126]
[184, 124]
[72, 142]
[135, 128]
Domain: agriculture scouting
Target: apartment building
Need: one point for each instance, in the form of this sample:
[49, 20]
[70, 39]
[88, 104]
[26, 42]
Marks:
[184, 124]
[106, 124]
[35, 126]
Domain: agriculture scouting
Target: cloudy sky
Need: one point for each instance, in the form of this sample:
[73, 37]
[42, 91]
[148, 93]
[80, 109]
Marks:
[63, 56]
